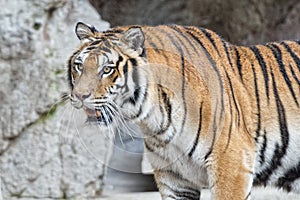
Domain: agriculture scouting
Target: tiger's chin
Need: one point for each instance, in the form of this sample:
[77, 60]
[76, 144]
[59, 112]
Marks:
[97, 117]
[98, 121]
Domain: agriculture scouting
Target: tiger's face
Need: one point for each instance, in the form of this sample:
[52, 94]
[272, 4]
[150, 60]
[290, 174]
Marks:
[102, 71]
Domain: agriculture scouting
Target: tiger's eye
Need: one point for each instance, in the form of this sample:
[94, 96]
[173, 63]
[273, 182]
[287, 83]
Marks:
[107, 70]
[78, 67]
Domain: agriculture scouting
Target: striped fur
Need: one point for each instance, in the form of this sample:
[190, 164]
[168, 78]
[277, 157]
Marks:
[213, 114]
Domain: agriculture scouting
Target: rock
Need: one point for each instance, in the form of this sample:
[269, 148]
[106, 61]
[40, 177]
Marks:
[40, 154]
[240, 22]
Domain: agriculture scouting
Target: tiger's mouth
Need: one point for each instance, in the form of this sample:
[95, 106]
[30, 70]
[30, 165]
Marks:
[98, 116]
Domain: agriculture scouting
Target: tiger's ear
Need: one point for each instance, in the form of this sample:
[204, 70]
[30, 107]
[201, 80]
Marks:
[85, 31]
[134, 38]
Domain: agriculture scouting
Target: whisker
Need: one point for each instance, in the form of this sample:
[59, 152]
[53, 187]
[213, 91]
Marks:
[62, 117]
[103, 112]
[119, 119]
[115, 109]
[65, 97]
[82, 142]
[117, 131]
[69, 121]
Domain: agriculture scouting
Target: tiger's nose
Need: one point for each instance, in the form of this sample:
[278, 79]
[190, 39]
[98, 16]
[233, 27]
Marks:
[77, 99]
[82, 96]
[85, 96]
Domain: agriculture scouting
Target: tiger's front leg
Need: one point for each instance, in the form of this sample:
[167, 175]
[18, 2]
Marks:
[172, 186]
[230, 168]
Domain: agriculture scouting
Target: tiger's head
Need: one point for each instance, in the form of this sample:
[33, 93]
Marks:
[104, 72]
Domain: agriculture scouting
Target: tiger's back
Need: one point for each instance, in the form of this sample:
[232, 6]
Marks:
[212, 113]
[263, 84]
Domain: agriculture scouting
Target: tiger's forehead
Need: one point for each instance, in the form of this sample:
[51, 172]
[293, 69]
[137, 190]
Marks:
[104, 55]
[107, 58]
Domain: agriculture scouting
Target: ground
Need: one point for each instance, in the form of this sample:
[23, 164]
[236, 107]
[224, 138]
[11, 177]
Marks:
[258, 194]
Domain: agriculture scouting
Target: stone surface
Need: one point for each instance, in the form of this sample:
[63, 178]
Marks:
[258, 194]
[240, 22]
[41, 153]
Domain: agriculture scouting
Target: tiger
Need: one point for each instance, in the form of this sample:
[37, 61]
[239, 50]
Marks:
[213, 115]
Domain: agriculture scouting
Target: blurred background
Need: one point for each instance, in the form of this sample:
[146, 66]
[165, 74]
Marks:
[46, 152]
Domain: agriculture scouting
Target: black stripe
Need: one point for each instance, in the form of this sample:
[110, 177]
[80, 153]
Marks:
[263, 148]
[189, 31]
[107, 44]
[138, 114]
[135, 77]
[154, 146]
[210, 59]
[277, 54]
[151, 43]
[161, 43]
[70, 73]
[159, 94]
[120, 59]
[134, 99]
[230, 126]
[186, 195]
[293, 55]
[190, 154]
[212, 41]
[90, 48]
[70, 68]
[148, 147]
[143, 93]
[125, 73]
[238, 63]
[182, 75]
[285, 182]
[168, 109]
[115, 78]
[161, 142]
[263, 177]
[279, 152]
[104, 49]
[171, 196]
[263, 66]
[182, 34]
[294, 75]
[125, 68]
[233, 97]
[182, 193]
[257, 104]
[208, 154]
[112, 31]
[214, 135]
[192, 190]
[281, 118]
[227, 53]
[133, 61]
[174, 174]
[249, 194]
[95, 42]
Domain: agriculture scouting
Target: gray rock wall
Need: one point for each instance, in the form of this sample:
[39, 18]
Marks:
[41, 154]
[240, 22]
